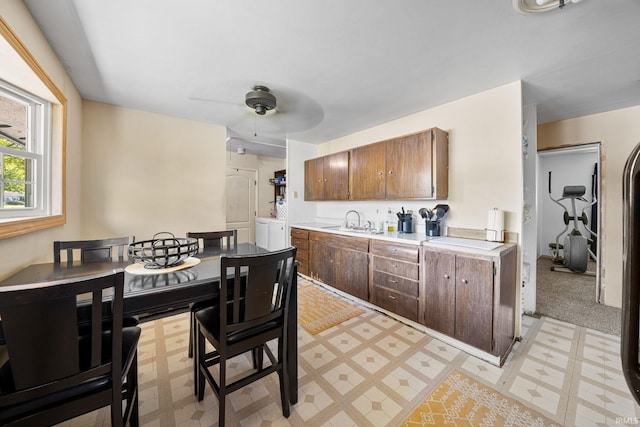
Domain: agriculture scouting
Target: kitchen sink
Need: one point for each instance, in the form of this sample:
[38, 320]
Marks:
[363, 230]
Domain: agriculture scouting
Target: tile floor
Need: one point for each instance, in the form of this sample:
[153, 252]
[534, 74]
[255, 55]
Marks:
[373, 371]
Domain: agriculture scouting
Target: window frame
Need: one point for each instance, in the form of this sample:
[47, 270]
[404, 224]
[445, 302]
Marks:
[37, 148]
[55, 121]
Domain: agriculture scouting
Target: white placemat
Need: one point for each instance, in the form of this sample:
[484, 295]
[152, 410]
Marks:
[138, 267]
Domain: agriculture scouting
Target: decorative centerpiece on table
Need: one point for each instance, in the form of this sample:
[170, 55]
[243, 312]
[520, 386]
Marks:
[163, 251]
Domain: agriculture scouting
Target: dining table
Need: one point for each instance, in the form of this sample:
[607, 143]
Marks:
[157, 294]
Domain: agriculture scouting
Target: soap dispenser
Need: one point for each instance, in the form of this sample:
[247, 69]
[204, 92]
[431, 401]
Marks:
[391, 221]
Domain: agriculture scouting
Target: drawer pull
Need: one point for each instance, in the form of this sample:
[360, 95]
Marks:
[465, 281]
[390, 172]
[392, 297]
[379, 172]
[446, 276]
[393, 281]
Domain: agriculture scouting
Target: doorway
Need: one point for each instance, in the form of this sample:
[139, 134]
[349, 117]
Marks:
[241, 203]
[557, 169]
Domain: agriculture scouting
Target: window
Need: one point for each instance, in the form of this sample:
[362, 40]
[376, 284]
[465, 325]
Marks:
[24, 154]
[32, 142]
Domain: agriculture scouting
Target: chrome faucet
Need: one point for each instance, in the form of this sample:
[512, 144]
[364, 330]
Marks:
[346, 218]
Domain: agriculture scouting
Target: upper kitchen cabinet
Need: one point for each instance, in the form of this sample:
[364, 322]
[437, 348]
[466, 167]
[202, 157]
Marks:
[414, 166]
[327, 178]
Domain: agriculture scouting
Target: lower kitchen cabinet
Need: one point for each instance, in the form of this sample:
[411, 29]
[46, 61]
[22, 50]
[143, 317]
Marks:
[395, 275]
[300, 239]
[341, 262]
[471, 297]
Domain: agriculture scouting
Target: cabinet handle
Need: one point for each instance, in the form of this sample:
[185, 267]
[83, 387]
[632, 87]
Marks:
[379, 172]
[390, 172]
[325, 180]
[393, 281]
[392, 297]
[446, 276]
[465, 281]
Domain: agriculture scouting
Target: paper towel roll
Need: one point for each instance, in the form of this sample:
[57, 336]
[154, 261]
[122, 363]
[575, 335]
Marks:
[495, 225]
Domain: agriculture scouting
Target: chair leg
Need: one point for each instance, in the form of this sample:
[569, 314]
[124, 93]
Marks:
[257, 356]
[192, 332]
[223, 391]
[133, 393]
[199, 362]
[283, 374]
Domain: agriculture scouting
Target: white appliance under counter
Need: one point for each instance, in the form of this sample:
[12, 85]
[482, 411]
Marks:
[271, 233]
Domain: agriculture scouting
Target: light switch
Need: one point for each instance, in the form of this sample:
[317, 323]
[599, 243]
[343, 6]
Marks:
[295, 194]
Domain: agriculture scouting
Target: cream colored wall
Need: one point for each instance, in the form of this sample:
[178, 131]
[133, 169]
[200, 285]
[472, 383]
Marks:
[265, 167]
[17, 252]
[485, 166]
[144, 173]
[618, 131]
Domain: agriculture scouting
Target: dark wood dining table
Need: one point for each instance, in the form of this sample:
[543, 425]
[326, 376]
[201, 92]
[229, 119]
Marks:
[161, 294]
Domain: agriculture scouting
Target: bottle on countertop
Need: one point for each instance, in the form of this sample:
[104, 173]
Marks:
[391, 221]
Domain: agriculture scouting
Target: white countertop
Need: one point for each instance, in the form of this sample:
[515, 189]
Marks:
[411, 238]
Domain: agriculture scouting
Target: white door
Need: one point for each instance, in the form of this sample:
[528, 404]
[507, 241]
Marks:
[241, 203]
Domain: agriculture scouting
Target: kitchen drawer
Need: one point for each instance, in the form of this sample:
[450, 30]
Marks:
[301, 244]
[342, 242]
[395, 302]
[299, 233]
[409, 253]
[396, 283]
[396, 268]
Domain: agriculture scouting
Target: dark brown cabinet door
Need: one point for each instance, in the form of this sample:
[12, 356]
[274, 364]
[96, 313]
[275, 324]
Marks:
[313, 179]
[336, 176]
[368, 174]
[474, 302]
[322, 262]
[352, 272]
[409, 171]
[440, 292]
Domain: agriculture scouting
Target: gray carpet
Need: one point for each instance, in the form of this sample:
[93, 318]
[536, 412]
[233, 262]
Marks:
[571, 298]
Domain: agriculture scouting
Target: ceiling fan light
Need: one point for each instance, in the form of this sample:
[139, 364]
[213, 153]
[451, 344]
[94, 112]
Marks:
[537, 6]
[260, 99]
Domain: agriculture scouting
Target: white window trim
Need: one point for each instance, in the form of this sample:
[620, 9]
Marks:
[39, 150]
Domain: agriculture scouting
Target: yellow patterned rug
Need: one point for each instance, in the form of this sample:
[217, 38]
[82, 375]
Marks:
[462, 401]
[318, 310]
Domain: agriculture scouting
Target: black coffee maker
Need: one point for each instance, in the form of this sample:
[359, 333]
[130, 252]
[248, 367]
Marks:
[405, 222]
[432, 218]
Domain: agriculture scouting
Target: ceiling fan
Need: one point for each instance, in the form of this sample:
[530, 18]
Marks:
[268, 113]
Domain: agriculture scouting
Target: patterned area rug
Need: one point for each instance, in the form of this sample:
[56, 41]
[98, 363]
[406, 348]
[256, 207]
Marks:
[460, 400]
[318, 310]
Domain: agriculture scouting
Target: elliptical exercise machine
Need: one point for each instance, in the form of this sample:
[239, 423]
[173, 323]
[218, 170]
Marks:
[574, 254]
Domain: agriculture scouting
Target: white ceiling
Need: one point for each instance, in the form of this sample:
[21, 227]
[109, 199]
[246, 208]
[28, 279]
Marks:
[338, 66]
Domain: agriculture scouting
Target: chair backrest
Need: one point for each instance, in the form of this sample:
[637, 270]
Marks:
[46, 353]
[216, 239]
[259, 289]
[92, 250]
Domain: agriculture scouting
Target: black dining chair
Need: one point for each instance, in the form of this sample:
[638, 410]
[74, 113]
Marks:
[256, 312]
[210, 240]
[95, 251]
[92, 250]
[54, 372]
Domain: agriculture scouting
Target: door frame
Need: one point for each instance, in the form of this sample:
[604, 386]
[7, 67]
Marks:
[597, 146]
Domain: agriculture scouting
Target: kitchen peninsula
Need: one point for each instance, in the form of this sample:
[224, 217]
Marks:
[461, 291]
